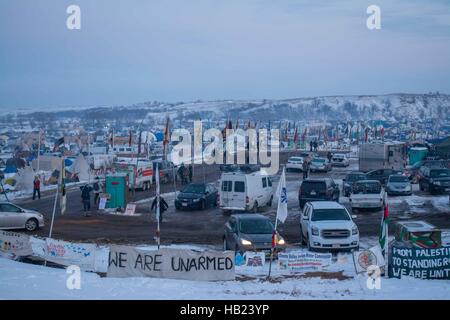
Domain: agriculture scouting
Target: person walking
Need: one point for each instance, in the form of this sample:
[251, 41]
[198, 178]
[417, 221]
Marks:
[162, 207]
[86, 198]
[97, 190]
[305, 168]
[36, 187]
[329, 156]
[315, 145]
[311, 146]
[181, 173]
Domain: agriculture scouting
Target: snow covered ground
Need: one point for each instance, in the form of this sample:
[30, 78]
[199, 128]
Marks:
[25, 281]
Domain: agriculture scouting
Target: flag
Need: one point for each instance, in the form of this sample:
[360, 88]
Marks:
[304, 134]
[384, 227]
[62, 186]
[166, 137]
[296, 135]
[111, 139]
[282, 198]
[139, 142]
[58, 142]
[129, 139]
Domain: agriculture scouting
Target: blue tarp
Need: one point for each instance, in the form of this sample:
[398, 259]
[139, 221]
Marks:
[10, 169]
[68, 162]
[159, 136]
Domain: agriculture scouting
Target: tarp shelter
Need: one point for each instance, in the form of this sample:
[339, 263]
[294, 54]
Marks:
[25, 178]
[10, 169]
[159, 136]
[47, 163]
[80, 167]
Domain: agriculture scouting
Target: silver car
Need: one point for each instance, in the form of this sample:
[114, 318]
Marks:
[14, 217]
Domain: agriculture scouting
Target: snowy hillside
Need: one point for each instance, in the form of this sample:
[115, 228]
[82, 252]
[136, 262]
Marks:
[392, 107]
[383, 107]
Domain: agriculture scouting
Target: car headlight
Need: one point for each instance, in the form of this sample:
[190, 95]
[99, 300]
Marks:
[354, 230]
[246, 242]
[315, 231]
[281, 242]
[196, 200]
[438, 183]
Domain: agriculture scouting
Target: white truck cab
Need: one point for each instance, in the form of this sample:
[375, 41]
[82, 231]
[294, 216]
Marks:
[242, 191]
[328, 225]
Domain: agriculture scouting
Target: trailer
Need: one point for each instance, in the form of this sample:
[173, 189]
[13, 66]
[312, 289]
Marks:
[140, 173]
[389, 155]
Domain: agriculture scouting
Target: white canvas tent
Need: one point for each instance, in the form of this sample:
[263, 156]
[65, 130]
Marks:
[25, 178]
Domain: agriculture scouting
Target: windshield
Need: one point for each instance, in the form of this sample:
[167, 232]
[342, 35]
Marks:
[356, 177]
[398, 179]
[440, 173]
[295, 159]
[319, 160]
[367, 188]
[194, 188]
[329, 214]
[256, 226]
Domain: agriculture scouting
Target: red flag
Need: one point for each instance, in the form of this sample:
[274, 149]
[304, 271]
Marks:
[296, 135]
[274, 239]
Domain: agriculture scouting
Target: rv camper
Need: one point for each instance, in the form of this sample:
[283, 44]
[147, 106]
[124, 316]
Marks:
[373, 156]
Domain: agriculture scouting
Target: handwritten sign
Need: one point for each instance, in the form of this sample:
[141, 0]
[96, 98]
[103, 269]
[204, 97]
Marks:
[125, 261]
[14, 244]
[130, 209]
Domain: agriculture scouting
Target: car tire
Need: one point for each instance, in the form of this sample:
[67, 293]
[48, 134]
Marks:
[31, 225]
[225, 246]
[302, 238]
[255, 207]
[202, 205]
[226, 212]
[307, 243]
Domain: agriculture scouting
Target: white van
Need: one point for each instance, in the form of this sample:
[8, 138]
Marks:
[241, 191]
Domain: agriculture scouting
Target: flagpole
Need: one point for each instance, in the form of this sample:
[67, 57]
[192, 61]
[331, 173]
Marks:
[158, 238]
[386, 245]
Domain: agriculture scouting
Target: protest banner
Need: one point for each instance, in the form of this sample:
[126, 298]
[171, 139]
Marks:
[125, 261]
[255, 259]
[13, 244]
[67, 253]
[301, 261]
[422, 263]
[365, 258]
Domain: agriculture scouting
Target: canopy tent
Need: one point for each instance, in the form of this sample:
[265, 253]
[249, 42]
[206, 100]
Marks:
[80, 167]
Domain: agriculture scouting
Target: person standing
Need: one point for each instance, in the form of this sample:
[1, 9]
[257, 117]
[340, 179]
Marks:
[305, 168]
[97, 190]
[329, 156]
[36, 187]
[86, 198]
[311, 146]
[162, 207]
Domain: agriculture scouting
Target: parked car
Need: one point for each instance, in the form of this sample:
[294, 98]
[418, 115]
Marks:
[398, 185]
[250, 232]
[294, 163]
[340, 160]
[245, 191]
[14, 217]
[320, 164]
[434, 180]
[349, 181]
[413, 172]
[381, 175]
[328, 225]
[197, 196]
[318, 190]
[367, 194]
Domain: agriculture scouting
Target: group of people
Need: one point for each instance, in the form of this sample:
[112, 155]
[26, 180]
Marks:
[185, 173]
[313, 146]
[86, 190]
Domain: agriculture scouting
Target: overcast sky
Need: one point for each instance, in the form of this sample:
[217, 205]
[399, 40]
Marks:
[177, 50]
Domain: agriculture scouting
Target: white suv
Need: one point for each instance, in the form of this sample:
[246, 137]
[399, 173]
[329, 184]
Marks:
[328, 225]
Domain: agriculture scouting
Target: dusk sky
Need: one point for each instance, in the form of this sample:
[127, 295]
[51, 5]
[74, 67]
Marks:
[177, 50]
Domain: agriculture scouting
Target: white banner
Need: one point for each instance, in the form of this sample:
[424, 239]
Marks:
[67, 253]
[368, 257]
[302, 260]
[125, 261]
[14, 244]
